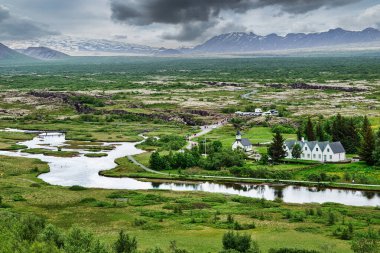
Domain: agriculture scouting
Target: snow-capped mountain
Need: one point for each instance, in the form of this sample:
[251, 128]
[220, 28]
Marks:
[250, 42]
[83, 46]
[43, 53]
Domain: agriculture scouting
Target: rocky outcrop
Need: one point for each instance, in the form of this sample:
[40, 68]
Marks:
[305, 86]
[212, 83]
[81, 108]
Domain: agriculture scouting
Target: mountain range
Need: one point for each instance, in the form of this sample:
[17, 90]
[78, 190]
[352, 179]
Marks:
[237, 42]
[250, 42]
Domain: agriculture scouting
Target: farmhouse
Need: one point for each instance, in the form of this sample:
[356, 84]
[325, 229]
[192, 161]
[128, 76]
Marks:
[323, 151]
[243, 144]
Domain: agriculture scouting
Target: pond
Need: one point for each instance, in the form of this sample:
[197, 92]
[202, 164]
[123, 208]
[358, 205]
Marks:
[83, 171]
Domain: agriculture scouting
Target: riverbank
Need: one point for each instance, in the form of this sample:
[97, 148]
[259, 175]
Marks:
[162, 177]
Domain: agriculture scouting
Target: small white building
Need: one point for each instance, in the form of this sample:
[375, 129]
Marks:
[322, 151]
[242, 143]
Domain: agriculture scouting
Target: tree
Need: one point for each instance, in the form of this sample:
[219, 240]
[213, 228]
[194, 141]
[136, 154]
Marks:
[299, 132]
[320, 132]
[125, 243]
[376, 152]
[276, 149]
[155, 161]
[351, 139]
[297, 151]
[368, 143]
[309, 130]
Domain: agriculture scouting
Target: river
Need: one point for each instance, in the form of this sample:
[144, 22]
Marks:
[84, 170]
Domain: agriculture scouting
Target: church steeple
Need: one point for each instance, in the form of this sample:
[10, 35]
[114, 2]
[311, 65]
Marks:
[238, 136]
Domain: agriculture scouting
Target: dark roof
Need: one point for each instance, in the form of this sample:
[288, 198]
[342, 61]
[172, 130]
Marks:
[337, 147]
[246, 142]
[323, 144]
[290, 144]
[312, 144]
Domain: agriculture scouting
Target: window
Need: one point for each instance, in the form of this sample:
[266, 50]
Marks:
[286, 154]
[303, 155]
[305, 148]
[313, 155]
[319, 156]
[317, 149]
[330, 157]
[308, 155]
[328, 150]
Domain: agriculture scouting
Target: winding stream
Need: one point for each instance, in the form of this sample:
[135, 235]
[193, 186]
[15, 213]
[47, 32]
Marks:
[84, 170]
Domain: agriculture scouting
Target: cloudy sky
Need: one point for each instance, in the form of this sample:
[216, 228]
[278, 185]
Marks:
[175, 23]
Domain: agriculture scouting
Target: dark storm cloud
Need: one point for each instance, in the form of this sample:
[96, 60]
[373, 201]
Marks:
[16, 28]
[196, 16]
[145, 12]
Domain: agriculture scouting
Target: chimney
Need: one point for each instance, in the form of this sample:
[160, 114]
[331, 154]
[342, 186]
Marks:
[303, 139]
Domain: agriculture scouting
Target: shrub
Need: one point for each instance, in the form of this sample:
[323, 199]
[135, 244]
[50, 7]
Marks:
[77, 188]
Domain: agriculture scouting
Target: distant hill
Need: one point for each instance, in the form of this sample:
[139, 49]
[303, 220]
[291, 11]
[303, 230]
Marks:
[250, 42]
[43, 53]
[8, 54]
[168, 52]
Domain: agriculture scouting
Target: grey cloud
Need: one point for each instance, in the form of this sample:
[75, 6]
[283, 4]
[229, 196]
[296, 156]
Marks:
[4, 13]
[195, 16]
[190, 31]
[16, 28]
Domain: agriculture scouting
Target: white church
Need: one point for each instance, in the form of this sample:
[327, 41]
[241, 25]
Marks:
[242, 143]
[324, 151]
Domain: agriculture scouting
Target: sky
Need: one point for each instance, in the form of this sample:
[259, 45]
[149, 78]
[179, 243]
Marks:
[178, 23]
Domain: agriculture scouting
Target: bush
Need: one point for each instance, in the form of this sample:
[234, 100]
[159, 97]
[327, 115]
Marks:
[234, 242]
[125, 243]
[77, 188]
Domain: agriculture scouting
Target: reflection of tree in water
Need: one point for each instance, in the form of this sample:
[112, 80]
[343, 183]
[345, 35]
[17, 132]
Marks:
[369, 195]
[237, 187]
[156, 185]
[279, 192]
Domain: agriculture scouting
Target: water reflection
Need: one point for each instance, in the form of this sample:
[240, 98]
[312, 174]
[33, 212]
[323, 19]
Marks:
[83, 171]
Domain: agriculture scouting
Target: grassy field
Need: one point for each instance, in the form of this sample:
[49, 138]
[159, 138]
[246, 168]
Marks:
[257, 135]
[195, 220]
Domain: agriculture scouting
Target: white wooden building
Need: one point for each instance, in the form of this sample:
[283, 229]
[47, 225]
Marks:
[317, 151]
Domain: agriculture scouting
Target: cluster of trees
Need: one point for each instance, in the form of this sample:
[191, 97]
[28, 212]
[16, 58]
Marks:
[338, 128]
[355, 133]
[166, 142]
[216, 159]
